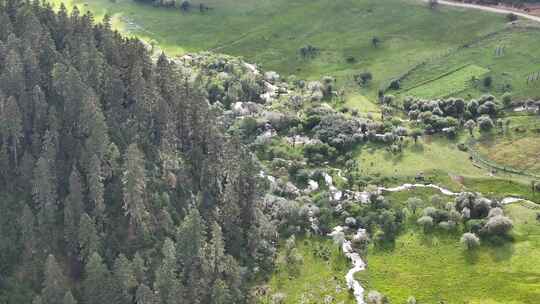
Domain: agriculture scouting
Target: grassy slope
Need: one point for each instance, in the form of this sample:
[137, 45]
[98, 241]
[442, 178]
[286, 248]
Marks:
[442, 163]
[436, 268]
[268, 32]
[519, 59]
[449, 84]
[430, 157]
[520, 150]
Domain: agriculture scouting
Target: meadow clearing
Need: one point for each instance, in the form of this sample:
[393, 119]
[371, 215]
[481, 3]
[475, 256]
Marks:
[448, 84]
[436, 268]
[509, 56]
[269, 33]
[518, 147]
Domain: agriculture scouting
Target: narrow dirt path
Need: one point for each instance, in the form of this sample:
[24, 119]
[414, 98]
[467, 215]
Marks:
[496, 10]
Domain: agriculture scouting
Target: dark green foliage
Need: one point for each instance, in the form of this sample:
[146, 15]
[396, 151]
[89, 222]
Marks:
[488, 80]
[309, 51]
[394, 85]
[363, 78]
[54, 282]
[511, 17]
[485, 124]
[107, 159]
[317, 153]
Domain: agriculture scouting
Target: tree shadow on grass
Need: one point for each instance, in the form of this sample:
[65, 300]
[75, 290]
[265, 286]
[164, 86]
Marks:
[488, 139]
[417, 148]
[502, 252]
[385, 246]
[471, 256]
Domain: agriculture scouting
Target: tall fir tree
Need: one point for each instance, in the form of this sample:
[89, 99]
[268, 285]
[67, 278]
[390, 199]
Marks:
[134, 191]
[73, 208]
[11, 127]
[145, 295]
[166, 277]
[88, 238]
[45, 199]
[124, 279]
[69, 299]
[96, 190]
[96, 283]
[54, 282]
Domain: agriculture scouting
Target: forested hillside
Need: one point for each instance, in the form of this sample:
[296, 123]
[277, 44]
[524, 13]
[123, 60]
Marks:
[118, 183]
[397, 140]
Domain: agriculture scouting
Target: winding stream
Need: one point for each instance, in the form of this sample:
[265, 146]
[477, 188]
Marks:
[358, 263]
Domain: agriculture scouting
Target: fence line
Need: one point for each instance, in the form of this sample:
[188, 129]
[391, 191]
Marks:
[477, 157]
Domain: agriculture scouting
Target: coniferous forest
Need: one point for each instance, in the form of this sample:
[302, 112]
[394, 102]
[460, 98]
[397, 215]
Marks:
[118, 183]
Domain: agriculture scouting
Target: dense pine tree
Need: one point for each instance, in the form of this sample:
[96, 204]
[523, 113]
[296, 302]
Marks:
[69, 299]
[118, 182]
[73, 208]
[54, 282]
[124, 279]
[166, 278]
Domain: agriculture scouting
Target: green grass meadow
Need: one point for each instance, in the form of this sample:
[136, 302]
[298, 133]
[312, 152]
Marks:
[449, 84]
[430, 155]
[517, 149]
[509, 55]
[435, 268]
[271, 33]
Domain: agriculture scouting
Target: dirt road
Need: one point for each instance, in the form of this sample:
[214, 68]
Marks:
[488, 9]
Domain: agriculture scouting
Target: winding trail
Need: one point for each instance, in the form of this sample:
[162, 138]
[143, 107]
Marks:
[357, 261]
[497, 10]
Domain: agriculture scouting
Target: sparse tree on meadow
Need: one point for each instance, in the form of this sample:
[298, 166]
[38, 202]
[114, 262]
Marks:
[413, 204]
[426, 222]
[293, 259]
[498, 225]
[470, 125]
[411, 300]
[485, 124]
[469, 241]
[375, 41]
[511, 17]
[415, 134]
